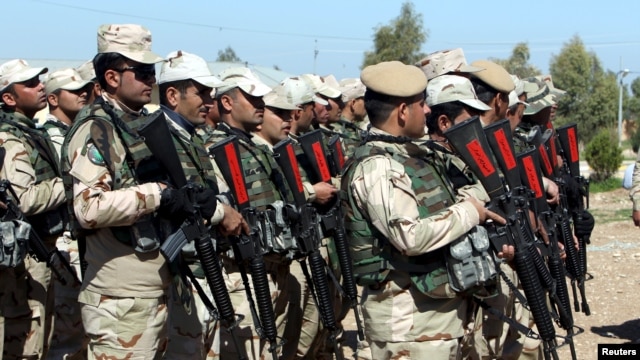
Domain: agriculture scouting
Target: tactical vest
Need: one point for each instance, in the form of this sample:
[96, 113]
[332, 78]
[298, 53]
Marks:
[139, 167]
[194, 159]
[373, 256]
[44, 162]
[520, 138]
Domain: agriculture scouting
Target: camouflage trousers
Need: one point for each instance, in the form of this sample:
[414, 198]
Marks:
[249, 341]
[124, 328]
[191, 326]
[27, 307]
[69, 340]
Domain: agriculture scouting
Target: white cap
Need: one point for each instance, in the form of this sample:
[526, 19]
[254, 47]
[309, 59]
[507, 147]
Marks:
[65, 79]
[352, 88]
[298, 92]
[278, 98]
[87, 71]
[319, 85]
[17, 70]
[181, 65]
[514, 99]
[243, 78]
[449, 88]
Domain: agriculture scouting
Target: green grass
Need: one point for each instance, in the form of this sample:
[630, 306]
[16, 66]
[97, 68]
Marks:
[604, 186]
[607, 216]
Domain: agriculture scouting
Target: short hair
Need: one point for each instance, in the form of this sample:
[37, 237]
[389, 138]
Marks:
[107, 61]
[180, 85]
[379, 106]
[451, 109]
[484, 92]
[513, 108]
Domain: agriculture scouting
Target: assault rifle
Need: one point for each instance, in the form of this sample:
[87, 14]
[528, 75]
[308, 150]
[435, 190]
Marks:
[158, 139]
[248, 249]
[532, 177]
[577, 205]
[52, 257]
[470, 142]
[331, 215]
[304, 222]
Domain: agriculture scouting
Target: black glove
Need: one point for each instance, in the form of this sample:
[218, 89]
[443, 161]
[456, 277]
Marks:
[175, 203]
[583, 223]
[206, 200]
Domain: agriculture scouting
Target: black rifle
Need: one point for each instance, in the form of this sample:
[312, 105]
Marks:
[159, 140]
[568, 139]
[331, 215]
[470, 142]
[304, 222]
[52, 257]
[248, 249]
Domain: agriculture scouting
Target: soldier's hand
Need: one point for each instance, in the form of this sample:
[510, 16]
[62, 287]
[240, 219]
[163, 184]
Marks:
[484, 213]
[232, 223]
[553, 193]
[508, 252]
[324, 192]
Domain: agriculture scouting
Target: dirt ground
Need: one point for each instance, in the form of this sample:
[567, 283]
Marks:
[612, 294]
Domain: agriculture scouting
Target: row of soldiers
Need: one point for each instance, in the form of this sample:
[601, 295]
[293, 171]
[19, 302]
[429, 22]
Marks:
[98, 182]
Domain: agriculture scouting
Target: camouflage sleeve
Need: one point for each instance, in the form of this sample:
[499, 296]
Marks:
[383, 190]
[309, 191]
[96, 204]
[634, 193]
[34, 198]
[476, 190]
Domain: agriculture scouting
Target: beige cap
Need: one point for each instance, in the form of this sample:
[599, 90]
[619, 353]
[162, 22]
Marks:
[352, 88]
[394, 78]
[243, 78]
[65, 79]
[181, 65]
[494, 75]
[130, 40]
[538, 99]
[87, 71]
[298, 92]
[17, 70]
[319, 86]
[449, 88]
[445, 61]
[514, 99]
[278, 98]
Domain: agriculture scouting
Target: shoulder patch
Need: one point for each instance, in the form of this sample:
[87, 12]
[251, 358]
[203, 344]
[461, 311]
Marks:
[94, 155]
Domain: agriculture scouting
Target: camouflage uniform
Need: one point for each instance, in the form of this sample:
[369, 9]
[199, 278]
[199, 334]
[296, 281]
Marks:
[31, 167]
[259, 167]
[191, 326]
[400, 213]
[634, 192]
[123, 297]
[68, 336]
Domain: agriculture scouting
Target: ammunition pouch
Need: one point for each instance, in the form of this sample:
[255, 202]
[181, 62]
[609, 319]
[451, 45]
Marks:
[277, 236]
[145, 235]
[15, 239]
[470, 264]
[50, 223]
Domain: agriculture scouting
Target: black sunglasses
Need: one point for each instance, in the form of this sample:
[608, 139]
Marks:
[142, 72]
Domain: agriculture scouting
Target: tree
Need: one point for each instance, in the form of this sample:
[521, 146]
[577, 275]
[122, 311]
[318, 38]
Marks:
[518, 64]
[591, 99]
[228, 55]
[603, 155]
[401, 40]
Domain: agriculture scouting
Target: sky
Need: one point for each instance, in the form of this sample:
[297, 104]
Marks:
[326, 37]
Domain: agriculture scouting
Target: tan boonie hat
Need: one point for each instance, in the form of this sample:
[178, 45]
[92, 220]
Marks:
[394, 78]
[243, 78]
[87, 71]
[17, 70]
[538, 99]
[319, 86]
[352, 88]
[557, 93]
[298, 92]
[278, 98]
[181, 65]
[444, 62]
[65, 79]
[494, 75]
[449, 88]
[129, 40]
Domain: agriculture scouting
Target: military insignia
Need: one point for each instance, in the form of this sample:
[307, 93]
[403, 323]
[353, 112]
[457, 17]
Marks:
[94, 155]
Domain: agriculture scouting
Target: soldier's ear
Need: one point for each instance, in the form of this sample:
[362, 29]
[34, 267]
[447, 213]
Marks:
[52, 99]
[172, 95]
[9, 99]
[443, 122]
[112, 78]
[226, 101]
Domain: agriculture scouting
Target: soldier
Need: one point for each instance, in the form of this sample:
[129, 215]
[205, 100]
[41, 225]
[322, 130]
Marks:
[445, 62]
[353, 120]
[324, 91]
[492, 85]
[66, 93]
[120, 199]
[87, 72]
[517, 101]
[302, 95]
[389, 216]
[185, 86]
[32, 168]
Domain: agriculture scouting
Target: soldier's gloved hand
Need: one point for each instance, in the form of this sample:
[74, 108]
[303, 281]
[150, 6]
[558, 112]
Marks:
[584, 225]
[175, 202]
[206, 199]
